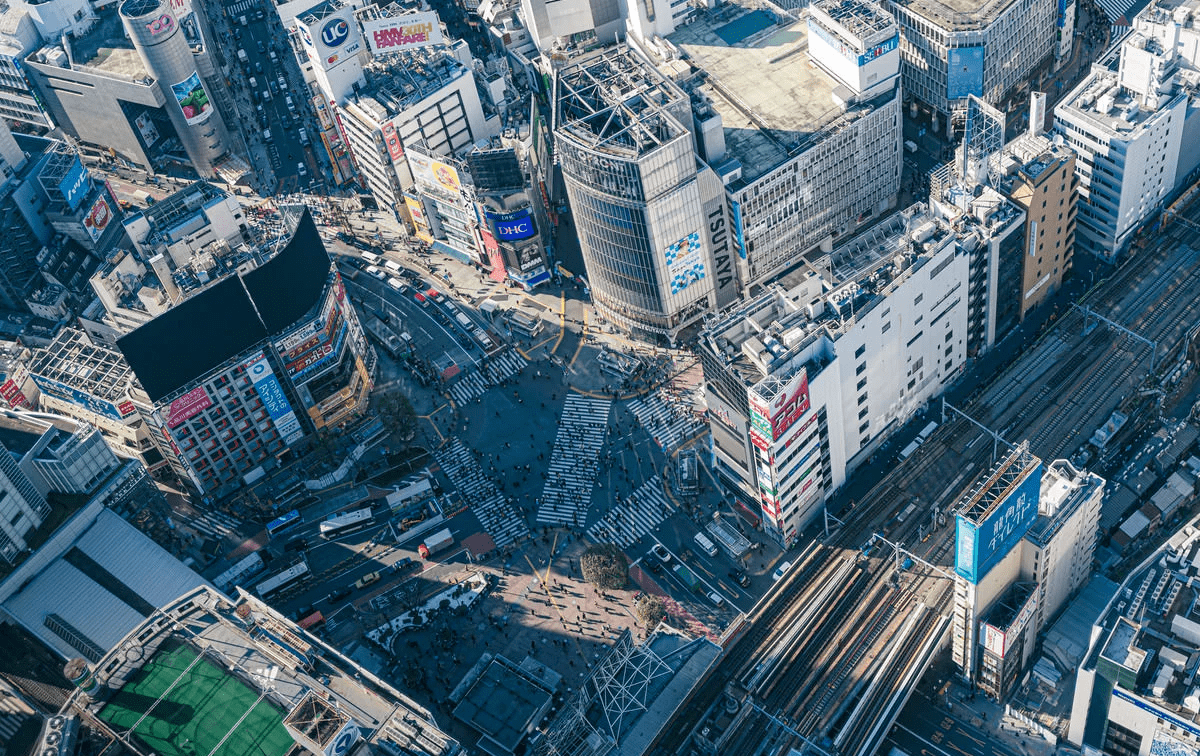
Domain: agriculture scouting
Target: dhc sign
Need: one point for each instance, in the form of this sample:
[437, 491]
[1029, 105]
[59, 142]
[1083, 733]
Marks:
[513, 226]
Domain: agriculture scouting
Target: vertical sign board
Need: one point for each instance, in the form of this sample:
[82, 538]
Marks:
[789, 405]
[979, 546]
[994, 639]
[760, 427]
[271, 393]
[74, 185]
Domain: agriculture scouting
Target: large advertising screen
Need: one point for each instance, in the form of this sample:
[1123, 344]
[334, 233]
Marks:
[74, 185]
[685, 263]
[407, 32]
[307, 351]
[513, 226]
[434, 176]
[188, 406]
[192, 99]
[964, 72]
[266, 385]
[76, 397]
[978, 547]
[98, 218]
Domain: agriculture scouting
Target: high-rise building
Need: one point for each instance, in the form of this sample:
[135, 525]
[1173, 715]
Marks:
[1136, 692]
[787, 134]
[425, 94]
[514, 225]
[93, 385]
[951, 50]
[23, 507]
[804, 381]
[142, 100]
[1026, 534]
[241, 371]
[24, 26]
[564, 22]
[20, 242]
[643, 204]
[1134, 122]
[1038, 174]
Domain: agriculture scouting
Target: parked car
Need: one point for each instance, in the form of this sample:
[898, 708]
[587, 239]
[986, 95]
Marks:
[740, 577]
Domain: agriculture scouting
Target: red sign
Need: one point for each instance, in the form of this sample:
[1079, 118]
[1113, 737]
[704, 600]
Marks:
[188, 406]
[789, 407]
[495, 258]
[126, 408]
[392, 140]
[163, 23]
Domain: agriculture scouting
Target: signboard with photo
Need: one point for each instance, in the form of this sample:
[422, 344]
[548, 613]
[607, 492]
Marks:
[192, 99]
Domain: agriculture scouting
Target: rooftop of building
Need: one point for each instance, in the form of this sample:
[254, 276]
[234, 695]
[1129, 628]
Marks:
[1030, 158]
[614, 102]
[105, 48]
[633, 690]
[232, 315]
[1151, 628]
[992, 491]
[396, 81]
[1064, 488]
[507, 700]
[71, 359]
[95, 579]
[773, 101]
[824, 297]
[957, 15]
[181, 206]
[242, 676]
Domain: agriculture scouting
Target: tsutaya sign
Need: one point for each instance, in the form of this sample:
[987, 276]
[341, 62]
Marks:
[405, 32]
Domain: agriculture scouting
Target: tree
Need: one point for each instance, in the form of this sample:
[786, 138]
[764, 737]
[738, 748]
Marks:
[649, 611]
[604, 566]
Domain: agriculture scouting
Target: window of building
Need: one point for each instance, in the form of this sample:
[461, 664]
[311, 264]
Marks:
[862, 397]
[862, 366]
[863, 428]
[862, 383]
[859, 352]
[862, 413]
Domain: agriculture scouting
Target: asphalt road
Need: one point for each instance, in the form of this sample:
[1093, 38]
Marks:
[924, 729]
[283, 152]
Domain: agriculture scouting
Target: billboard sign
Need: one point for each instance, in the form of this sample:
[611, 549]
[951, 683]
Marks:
[266, 385]
[78, 398]
[392, 140]
[146, 128]
[760, 427]
[789, 406]
[512, 226]
[192, 99]
[685, 265]
[413, 30]
[979, 546]
[74, 186]
[126, 408]
[97, 218]
[964, 72]
[188, 406]
[994, 639]
[434, 176]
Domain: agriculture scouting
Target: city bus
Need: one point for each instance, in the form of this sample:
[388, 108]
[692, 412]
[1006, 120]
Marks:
[346, 522]
[282, 579]
[283, 522]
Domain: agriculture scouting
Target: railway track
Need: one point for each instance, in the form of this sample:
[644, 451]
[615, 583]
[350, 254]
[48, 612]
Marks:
[1054, 396]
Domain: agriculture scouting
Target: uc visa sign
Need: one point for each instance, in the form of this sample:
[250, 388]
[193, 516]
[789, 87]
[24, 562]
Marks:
[512, 226]
[335, 33]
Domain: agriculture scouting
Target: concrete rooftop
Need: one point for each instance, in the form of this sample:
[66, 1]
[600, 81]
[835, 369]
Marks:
[767, 91]
[957, 15]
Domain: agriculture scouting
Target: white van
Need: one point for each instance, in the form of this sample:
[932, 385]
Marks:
[707, 546]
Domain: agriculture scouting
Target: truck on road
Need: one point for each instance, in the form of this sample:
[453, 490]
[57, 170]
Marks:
[443, 539]
[684, 574]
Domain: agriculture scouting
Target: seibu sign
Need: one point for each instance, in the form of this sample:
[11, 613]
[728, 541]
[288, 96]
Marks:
[403, 32]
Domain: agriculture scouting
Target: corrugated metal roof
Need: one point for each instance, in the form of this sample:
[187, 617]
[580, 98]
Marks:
[140, 564]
